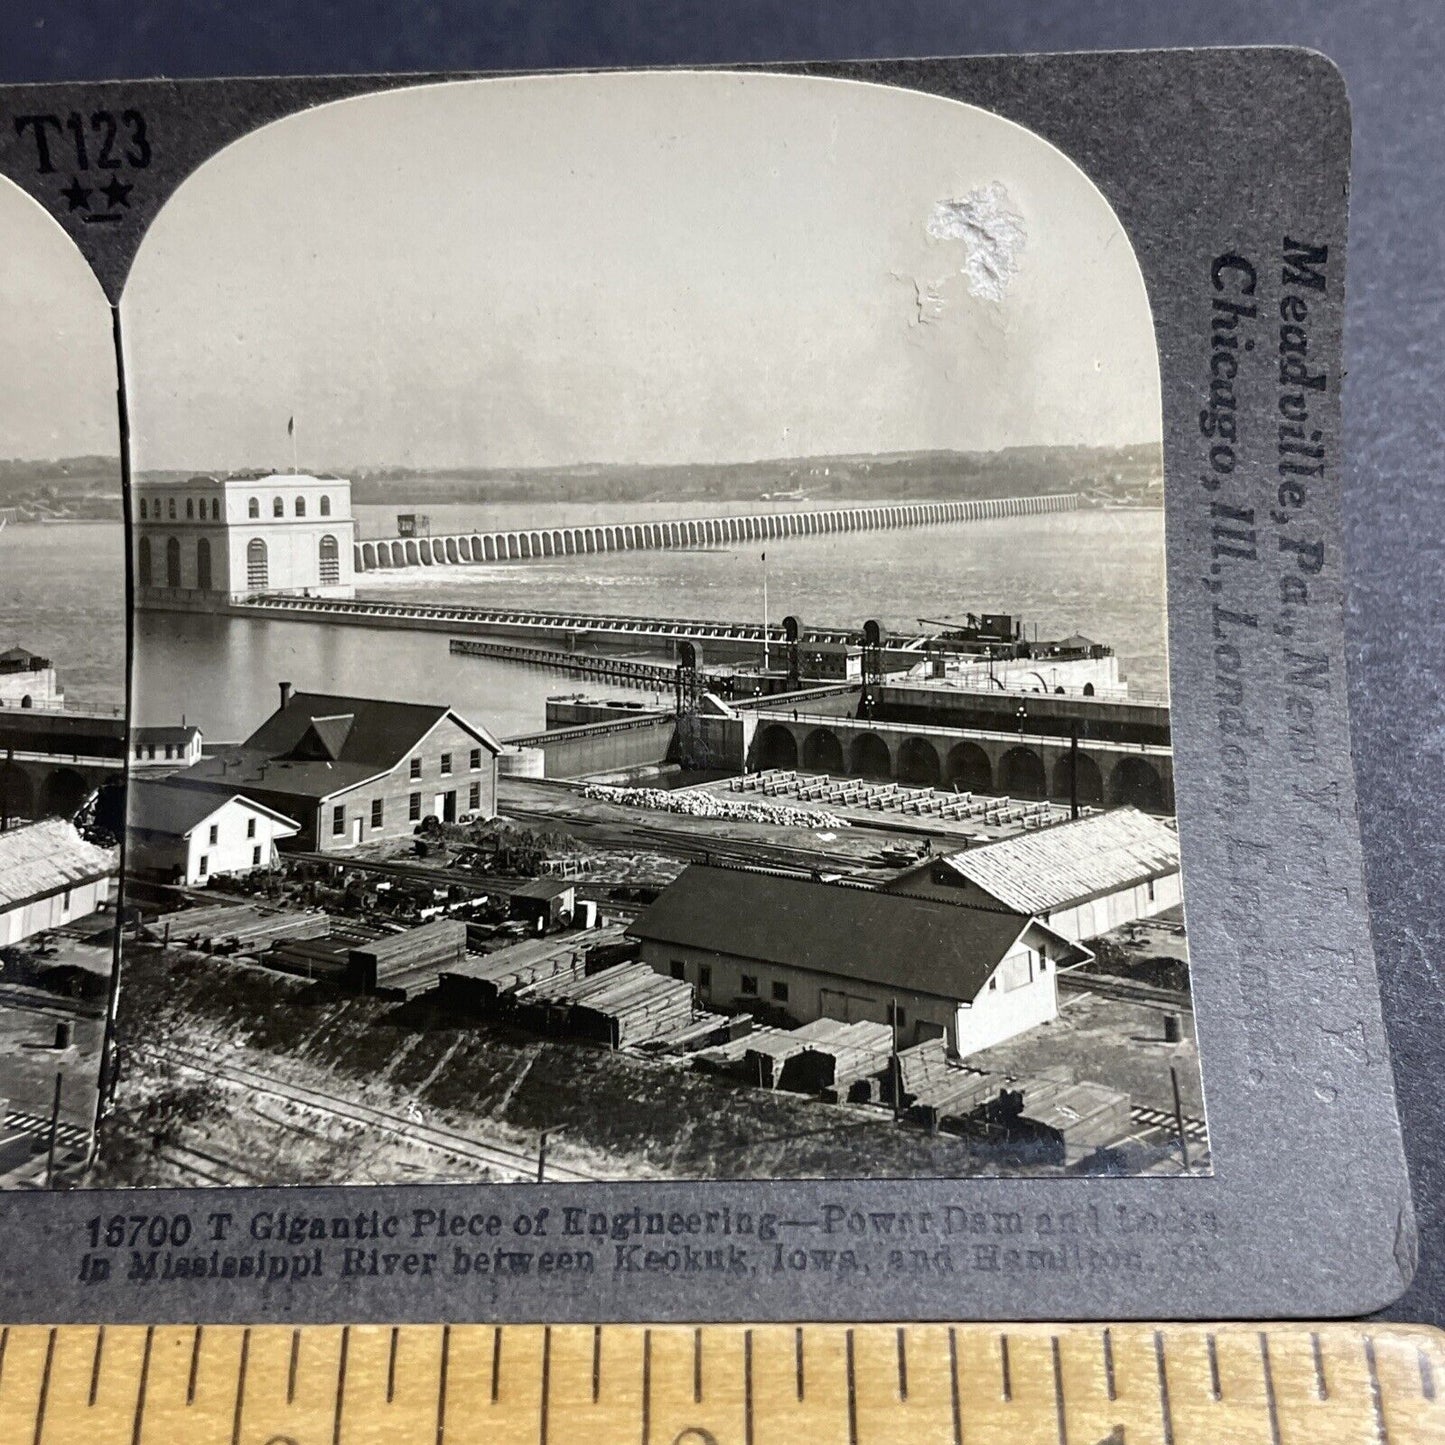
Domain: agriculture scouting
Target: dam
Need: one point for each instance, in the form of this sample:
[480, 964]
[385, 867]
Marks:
[386, 553]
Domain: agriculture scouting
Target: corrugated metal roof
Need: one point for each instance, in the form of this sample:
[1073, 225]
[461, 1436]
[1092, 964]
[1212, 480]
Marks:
[42, 858]
[859, 933]
[1038, 872]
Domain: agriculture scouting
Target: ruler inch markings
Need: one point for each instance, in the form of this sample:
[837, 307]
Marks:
[960, 1384]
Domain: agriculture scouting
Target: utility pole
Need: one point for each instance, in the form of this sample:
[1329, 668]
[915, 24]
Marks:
[54, 1130]
[765, 611]
[895, 1064]
[1179, 1119]
[542, 1153]
[1074, 769]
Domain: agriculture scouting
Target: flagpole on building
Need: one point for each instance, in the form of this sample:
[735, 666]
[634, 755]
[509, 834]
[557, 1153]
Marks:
[291, 432]
[765, 611]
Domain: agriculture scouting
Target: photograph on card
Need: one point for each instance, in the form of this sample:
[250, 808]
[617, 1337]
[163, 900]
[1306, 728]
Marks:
[62, 697]
[650, 651]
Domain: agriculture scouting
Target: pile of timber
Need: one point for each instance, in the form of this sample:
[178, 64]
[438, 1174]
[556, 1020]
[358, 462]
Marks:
[768, 1051]
[561, 991]
[936, 1088]
[1054, 1119]
[486, 983]
[835, 1059]
[403, 965]
[327, 958]
[621, 1007]
[730, 1057]
[236, 928]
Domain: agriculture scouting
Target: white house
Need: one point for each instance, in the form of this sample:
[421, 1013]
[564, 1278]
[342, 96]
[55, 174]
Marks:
[798, 950]
[177, 746]
[49, 876]
[188, 835]
[1082, 878]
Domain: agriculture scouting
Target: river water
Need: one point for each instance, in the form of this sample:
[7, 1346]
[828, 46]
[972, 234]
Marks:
[62, 594]
[1096, 572]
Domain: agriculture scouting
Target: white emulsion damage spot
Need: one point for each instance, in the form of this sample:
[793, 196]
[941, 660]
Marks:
[992, 236]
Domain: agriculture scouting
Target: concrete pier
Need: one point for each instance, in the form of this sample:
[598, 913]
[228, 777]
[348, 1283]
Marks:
[387, 553]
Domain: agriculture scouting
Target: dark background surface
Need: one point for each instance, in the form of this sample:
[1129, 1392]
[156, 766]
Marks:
[1393, 58]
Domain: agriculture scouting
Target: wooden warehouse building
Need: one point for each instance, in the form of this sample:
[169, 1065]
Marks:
[354, 770]
[50, 876]
[1082, 878]
[792, 947]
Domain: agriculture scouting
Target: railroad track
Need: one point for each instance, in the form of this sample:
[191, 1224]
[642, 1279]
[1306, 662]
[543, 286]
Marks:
[1126, 990]
[67, 1136]
[211, 1171]
[493, 1156]
[1195, 1130]
[53, 1004]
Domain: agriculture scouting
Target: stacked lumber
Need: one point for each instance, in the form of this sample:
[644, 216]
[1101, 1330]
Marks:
[247, 927]
[769, 1050]
[630, 1004]
[1048, 1119]
[327, 958]
[835, 1058]
[403, 965]
[487, 983]
[729, 1057]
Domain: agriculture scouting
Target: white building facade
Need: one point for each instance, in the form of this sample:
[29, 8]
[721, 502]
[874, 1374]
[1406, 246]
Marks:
[50, 876]
[211, 540]
[186, 836]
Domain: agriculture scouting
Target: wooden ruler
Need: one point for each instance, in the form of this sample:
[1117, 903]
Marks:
[723, 1385]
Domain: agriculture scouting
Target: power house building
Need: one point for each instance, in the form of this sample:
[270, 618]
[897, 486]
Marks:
[355, 770]
[208, 541]
[802, 950]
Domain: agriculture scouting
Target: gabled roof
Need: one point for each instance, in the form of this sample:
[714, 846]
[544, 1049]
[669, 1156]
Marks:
[382, 733]
[325, 738]
[166, 733]
[39, 859]
[320, 744]
[887, 939]
[161, 806]
[1071, 862]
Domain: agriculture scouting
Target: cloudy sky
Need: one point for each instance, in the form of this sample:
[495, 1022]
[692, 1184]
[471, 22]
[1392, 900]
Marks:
[57, 368]
[623, 269]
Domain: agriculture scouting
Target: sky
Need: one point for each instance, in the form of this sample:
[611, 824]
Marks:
[677, 267]
[57, 366]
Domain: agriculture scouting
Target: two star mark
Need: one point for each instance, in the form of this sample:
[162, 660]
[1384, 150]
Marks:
[116, 193]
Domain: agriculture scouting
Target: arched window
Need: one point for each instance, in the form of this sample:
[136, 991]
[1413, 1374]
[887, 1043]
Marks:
[255, 563]
[215, 509]
[330, 556]
[203, 565]
[326, 506]
[253, 507]
[190, 509]
[171, 508]
[143, 563]
[278, 507]
[173, 562]
[142, 509]
[300, 506]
